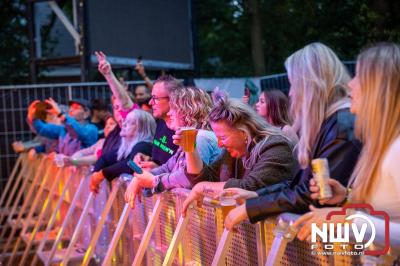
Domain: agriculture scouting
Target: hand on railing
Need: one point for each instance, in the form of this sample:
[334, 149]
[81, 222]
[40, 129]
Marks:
[235, 217]
[196, 194]
[317, 216]
[133, 191]
[32, 155]
[95, 181]
[339, 192]
[18, 146]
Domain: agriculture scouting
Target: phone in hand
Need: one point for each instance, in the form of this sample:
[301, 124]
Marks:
[135, 167]
[139, 59]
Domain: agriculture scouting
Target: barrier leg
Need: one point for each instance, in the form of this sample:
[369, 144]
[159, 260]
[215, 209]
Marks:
[223, 246]
[148, 232]
[10, 179]
[100, 223]
[261, 243]
[47, 259]
[117, 234]
[176, 239]
[16, 224]
[41, 216]
[284, 233]
[32, 209]
[13, 191]
[77, 230]
[53, 217]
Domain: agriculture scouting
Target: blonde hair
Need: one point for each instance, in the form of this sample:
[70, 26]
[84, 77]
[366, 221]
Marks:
[378, 118]
[192, 105]
[145, 128]
[318, 80]
[241, 116]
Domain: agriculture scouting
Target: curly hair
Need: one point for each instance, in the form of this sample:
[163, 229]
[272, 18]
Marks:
[192, 105]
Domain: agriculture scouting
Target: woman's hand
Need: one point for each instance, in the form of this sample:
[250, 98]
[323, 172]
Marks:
[199, 191]
[146, 179]
[144, 161]
[67, 161]
[55, 109]
[196, 194]
[133, 191]
[95, 181]
[239, 194]
[235, 217]
[338, 192]
[177, 137]
[317, 216]
[18, 146]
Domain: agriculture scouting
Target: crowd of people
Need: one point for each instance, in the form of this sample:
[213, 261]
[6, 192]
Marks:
[260, 153]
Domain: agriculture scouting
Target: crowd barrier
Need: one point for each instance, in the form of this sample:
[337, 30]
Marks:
[60, 222]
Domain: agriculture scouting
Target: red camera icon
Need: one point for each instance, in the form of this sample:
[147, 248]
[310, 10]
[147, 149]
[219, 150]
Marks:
[379, 214]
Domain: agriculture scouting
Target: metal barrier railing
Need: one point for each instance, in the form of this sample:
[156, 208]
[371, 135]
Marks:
[157, 234]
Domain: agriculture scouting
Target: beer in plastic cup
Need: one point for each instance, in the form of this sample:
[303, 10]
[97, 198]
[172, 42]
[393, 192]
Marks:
[227, 203]
[188, 138]
[320, 168]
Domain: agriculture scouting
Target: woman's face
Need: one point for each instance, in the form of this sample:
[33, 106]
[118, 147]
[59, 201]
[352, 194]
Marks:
[261, 106]
[232, 139]
[355, 93]
[110, 125]
[174, 121]
[128, 129]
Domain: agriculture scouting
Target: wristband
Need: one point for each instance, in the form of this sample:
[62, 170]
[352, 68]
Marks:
[60, 114]
[346, 199]
[74, 161]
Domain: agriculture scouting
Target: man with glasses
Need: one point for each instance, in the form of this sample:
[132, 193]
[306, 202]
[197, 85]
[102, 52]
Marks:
[163, 147]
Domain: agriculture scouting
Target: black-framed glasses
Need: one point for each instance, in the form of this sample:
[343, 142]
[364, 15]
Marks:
[157, 99]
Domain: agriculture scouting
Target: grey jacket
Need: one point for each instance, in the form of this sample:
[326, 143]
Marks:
[273, 165]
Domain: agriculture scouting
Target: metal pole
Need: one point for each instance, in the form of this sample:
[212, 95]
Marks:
[77, 230]
[53, 217]
[100, 223]
[148, 232]
[222, 249]
[117, 234]
[41, 216]
[67, 217]
[176, 239]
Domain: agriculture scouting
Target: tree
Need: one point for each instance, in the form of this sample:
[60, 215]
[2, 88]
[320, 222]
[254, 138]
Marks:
[14, 57]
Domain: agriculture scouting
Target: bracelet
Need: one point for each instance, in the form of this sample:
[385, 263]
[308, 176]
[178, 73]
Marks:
[346, 199]
[60, 114]
[74, 161]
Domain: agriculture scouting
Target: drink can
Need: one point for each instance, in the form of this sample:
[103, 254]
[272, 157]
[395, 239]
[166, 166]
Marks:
[320, 170]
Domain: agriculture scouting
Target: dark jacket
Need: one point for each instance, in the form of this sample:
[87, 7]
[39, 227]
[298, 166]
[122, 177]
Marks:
[337, 143]
[112, 168]
[274, 164]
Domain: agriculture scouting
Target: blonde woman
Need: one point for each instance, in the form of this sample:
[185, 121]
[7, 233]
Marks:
[189, 107]
[137, 133]
[255, 155]
[375, 94]
[320, 108]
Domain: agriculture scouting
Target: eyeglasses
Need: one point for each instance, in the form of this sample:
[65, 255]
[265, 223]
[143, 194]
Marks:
[157, 99]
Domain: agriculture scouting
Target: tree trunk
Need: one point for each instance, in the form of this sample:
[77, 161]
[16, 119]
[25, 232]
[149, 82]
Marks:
[257, 50]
